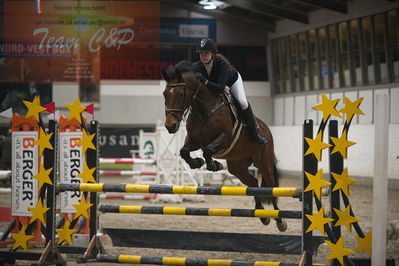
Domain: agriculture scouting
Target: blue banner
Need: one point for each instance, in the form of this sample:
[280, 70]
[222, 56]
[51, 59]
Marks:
[187, 30]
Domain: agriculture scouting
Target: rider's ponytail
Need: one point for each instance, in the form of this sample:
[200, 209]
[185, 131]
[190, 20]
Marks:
[220, 56]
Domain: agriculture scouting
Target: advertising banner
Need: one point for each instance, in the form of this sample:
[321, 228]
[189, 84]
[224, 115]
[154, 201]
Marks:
[71, 164]
[69, 40]
[119, 142]
[147, 147]
[24, 167]
[183, 30]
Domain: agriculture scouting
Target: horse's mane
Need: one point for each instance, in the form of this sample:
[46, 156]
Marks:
[184, 66]
[174, 72]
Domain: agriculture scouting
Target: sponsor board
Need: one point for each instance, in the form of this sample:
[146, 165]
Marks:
[24, 167]
[71, 165]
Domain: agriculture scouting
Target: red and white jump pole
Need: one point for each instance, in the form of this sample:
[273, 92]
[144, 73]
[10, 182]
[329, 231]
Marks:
[126, 173]
[127, 160]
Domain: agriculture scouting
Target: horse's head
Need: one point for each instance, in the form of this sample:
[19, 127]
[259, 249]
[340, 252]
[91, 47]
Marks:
[177, 97]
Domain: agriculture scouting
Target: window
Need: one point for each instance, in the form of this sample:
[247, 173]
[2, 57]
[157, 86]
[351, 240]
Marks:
[356, 52]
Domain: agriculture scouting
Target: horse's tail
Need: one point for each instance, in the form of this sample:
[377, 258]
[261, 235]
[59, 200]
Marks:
[276, 176]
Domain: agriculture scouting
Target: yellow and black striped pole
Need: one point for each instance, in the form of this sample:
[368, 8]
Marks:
[259, 213]
[183, 261]
[171, 189]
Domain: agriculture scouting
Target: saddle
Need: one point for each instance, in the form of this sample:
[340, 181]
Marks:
[233, 104]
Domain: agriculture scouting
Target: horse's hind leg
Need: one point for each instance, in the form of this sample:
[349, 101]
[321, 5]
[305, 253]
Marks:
[270, 177]
[258, 205]
[239, 168]
[281, 223]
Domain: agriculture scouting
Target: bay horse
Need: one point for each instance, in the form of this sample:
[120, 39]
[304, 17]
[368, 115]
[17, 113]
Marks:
[210, 124]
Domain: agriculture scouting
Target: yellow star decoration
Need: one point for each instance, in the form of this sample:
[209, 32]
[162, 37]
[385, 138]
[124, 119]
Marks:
[87, 174]
[342, 144]
[21, 239]
[34, 108]
[87, 141]
[345, 218]
[316, 145]
[38, 212]
[352, 108]
[65, 233]
[316, 182]
[327, 107]
[44, 141]
[364, 244]
[318, 221]
[43, 176]
[75, 110]
[338, 251]
[82, 207]
[343, 181]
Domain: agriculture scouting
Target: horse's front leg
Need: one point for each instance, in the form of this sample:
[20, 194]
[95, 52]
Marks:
[212, 148]
[188, 147]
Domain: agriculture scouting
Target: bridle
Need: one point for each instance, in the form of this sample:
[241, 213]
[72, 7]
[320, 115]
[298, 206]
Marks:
[186, 104]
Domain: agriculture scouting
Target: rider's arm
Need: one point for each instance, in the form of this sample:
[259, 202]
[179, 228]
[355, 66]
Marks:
[222, 71]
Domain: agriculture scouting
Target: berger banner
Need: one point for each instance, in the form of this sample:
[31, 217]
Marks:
[24, 167]
[71, 165]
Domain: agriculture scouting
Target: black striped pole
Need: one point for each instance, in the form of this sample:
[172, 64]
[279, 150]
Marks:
[183, 261]
[171, 189]
[259, 213]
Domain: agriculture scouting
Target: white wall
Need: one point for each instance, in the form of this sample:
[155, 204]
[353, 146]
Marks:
[141, 103]
[360, 162]
[288, 135]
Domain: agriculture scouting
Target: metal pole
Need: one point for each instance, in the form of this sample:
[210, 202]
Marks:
[336, 166]
[310, 166]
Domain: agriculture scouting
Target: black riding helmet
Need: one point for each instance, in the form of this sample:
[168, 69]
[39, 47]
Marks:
[207, 45]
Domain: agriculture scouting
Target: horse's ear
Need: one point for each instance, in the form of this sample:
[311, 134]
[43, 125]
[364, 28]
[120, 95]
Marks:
[164, 73]
[178, 74]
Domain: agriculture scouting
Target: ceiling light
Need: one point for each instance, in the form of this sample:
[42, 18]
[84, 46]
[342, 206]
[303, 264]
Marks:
[211, 4]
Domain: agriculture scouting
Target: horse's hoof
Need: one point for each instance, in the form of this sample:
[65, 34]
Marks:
[214, 166]
[218, 165]
[265, 221]
[211, 167]
[282, 226]
[197, 163]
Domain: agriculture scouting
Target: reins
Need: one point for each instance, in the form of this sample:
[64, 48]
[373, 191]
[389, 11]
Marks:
[186, 105]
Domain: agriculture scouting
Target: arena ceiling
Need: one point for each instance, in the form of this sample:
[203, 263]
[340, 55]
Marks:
[261, 14]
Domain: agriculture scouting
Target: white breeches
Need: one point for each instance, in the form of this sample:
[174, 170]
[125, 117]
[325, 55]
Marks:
[237, 90]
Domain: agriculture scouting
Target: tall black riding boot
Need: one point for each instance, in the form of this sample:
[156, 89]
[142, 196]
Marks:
[249, 118]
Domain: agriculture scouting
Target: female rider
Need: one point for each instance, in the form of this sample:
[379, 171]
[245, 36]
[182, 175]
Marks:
[216, 72]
